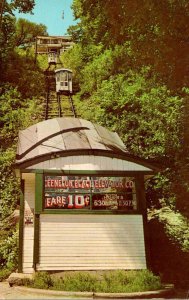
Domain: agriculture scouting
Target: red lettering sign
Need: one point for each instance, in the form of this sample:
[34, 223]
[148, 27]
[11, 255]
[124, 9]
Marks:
[89, 192]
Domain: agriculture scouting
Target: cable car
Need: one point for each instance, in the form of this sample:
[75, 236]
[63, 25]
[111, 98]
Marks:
[63, 81]
[52, 57]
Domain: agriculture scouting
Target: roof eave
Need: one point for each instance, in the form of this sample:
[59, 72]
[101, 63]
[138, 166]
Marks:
[95, 152]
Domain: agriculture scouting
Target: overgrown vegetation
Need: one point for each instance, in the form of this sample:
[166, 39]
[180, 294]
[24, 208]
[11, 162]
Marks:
[4, 273]
[110, 281]
[16, 113]
[21, 88]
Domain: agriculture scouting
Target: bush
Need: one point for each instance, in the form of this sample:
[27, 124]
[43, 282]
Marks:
[42, 280]
[4, 273]
[82, 281]
[109, 281]
[9, 250]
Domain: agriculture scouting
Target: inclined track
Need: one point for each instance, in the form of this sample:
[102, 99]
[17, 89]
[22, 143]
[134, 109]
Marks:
[57, 105]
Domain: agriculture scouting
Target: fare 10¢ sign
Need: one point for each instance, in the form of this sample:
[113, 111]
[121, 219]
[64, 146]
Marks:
[74, 192]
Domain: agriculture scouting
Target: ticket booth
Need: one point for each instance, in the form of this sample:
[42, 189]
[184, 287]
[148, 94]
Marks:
[82, 200]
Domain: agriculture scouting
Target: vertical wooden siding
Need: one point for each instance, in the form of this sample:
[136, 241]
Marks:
[91, 242]
[28, 232]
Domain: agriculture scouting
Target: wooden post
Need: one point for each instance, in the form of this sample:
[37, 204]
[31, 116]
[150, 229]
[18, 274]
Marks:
[38, 210]
[36, 241]
[38, 191]
[21, 228]
[140, 189]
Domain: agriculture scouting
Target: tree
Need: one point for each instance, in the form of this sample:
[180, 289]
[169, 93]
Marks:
[7, 27]
[17, 66]
[21, 80]
[155, 33]
[8, 7]
[27, 31]
[144, 113]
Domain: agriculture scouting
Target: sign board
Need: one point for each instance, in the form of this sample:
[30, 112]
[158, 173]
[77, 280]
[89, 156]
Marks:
[89, 192]
[29, 216]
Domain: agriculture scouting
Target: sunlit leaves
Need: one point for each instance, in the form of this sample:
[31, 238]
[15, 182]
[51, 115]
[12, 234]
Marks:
[143, 113]
[27, 31]
[176, 226]
[156, 32]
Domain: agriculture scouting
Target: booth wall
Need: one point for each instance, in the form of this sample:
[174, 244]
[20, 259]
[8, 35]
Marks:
[28, 231]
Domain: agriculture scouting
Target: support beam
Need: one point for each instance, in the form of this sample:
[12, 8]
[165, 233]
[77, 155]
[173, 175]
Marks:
[140, 190]
[21, 228]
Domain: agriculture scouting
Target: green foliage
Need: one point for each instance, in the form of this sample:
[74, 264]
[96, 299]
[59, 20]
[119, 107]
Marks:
[19, 70]
[97, 71]
[14, 114]
[27, 31]
[42, 280]
[9, 185]
[4, 274]
[6, 41]
[175, 224]
[9, 250]
[10, 114]
[78, 282]
[42, 61]
[131, 281]
[22, 72]
[22, 85]
[73, 59]
[8, 28]
[164, 24]
[159, 191]
[8, 8]
[139, 110]
[9, 196]
[22, 6]
[168, 260]
[109, 281]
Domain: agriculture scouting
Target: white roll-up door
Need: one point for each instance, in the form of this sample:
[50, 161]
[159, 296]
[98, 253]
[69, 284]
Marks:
[91, 242]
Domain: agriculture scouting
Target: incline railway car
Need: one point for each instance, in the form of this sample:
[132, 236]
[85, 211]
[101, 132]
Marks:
[52, 57]
[63, 81]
